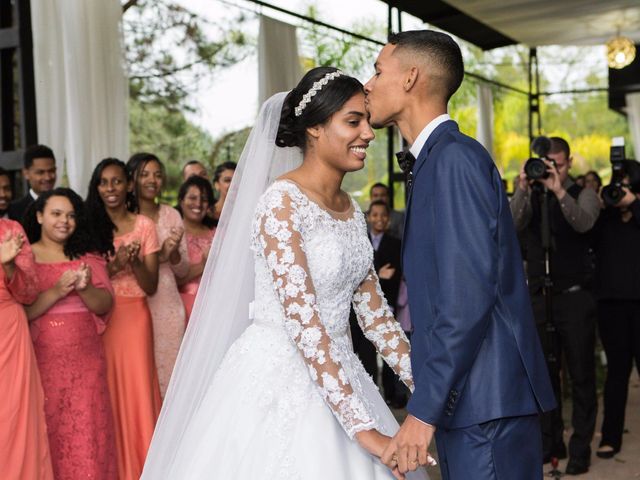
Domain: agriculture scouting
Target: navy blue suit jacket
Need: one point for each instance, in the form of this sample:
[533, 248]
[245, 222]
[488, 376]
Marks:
[476, 355]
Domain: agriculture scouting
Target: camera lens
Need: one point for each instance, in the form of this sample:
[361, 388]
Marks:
[612, 194]
[535, 169]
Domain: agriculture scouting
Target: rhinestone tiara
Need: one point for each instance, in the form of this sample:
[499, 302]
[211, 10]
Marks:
[315, 88]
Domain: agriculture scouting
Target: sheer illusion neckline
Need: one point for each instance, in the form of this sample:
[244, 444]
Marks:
[344, 216]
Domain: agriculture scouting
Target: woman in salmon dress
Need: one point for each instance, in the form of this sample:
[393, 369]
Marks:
[67, 320]
[24, 447]
[167, 310]
[128, 339]
[194, 198]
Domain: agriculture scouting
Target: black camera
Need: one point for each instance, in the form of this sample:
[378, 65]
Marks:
[535, 168]
[621, 168]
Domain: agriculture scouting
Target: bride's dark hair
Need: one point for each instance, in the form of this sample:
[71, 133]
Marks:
[330, 99]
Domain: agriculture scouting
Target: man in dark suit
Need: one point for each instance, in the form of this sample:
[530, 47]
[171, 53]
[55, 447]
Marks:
[479, 372]
[40, 172]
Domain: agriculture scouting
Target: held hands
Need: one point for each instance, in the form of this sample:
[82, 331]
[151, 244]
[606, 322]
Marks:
[10, 247]
[408, 449]
[375, 443]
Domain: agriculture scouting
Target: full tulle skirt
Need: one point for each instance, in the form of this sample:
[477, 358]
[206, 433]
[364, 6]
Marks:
[263, 418]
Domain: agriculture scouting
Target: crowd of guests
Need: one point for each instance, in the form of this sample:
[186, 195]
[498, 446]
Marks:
[95, 295]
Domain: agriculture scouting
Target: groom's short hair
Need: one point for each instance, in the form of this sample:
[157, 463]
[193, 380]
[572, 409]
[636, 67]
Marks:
[439, 50]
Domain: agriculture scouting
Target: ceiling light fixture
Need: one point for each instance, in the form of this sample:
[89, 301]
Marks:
[620, 52]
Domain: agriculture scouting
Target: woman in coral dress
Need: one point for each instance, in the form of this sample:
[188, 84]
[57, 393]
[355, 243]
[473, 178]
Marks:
[67, 320]
[194, 198]
[167, 310]
[128, 339]
[24, 448]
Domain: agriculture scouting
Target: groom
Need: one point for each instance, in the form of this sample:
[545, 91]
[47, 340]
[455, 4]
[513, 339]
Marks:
[480, 376]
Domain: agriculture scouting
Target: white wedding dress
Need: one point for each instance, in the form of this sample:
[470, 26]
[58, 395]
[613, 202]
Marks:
[290, 393]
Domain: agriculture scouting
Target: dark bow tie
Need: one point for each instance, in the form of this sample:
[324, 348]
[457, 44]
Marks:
[406, 161]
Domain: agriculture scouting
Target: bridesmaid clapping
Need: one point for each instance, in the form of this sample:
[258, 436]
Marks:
[68, 318]
[24, 448]
[167, 310]
[194, 199]
[128, 340]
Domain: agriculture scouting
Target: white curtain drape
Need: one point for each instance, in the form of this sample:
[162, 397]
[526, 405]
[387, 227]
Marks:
[279, 67]
[633, 114]
[484, 132]
[81, 84]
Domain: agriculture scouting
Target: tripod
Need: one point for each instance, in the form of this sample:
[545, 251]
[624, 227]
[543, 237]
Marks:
[550, 339]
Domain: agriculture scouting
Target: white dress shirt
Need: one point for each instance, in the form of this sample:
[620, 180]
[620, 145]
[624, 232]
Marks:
[421, 139]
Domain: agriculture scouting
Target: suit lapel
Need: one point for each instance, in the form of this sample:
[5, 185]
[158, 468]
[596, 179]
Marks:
[420, 161]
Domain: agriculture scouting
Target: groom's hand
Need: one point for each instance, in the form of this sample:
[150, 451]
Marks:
[409, 448]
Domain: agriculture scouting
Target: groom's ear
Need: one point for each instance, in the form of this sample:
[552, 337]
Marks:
[410, 79]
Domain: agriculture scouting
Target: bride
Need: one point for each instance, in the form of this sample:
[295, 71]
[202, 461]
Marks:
[267, 385]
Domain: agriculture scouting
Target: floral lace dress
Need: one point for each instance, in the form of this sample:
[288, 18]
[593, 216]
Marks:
[290, 394]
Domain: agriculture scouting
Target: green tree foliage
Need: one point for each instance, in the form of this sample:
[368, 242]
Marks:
[169, 49]
[171, 137]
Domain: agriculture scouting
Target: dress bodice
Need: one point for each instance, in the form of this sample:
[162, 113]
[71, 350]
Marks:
[311, 267]
[337, 252]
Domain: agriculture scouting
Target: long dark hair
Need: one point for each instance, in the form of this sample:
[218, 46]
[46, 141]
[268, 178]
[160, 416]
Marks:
[135, 165]
[327, 101]
[81, 241]
[101, 225]
[203, 185]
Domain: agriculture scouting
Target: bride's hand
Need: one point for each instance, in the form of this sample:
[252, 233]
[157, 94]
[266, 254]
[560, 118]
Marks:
[373, 441]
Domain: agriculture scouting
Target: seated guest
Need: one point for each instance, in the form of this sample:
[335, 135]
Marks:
[24, 452]
[221, 181]
[194, 198]
[67, 321]
[6, 193]
[128, 339]
[167, 310]
[40, 172]
[194, 167]
[379, 191]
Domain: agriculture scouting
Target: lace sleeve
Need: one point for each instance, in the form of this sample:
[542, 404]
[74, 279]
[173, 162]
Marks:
[379, 326]
[281, 242]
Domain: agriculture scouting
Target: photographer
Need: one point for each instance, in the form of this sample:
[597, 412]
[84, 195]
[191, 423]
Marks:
[572, 213]
[617, 288]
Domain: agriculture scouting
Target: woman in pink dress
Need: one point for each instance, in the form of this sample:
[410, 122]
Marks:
[24, 448]
[67, 321]
[167, 310]
[128, 339]
[194, 198]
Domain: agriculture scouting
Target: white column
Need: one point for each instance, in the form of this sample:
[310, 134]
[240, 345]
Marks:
[484, 132]
[278, 59]
[633, 115]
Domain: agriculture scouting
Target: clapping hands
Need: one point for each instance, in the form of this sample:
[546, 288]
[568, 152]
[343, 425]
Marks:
[10, 246]
[171, 243]
[126, 254]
